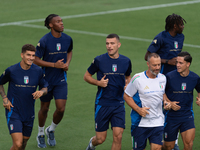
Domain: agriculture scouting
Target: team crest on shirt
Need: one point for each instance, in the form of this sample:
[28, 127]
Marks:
[155, 41]
[114, 67]
[183, 86]
[58, 46]
[26, 79]
[175, 44]
[11, 127]
[161, 84]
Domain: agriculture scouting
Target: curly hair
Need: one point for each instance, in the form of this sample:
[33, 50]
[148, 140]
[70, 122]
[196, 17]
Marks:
[173, 19]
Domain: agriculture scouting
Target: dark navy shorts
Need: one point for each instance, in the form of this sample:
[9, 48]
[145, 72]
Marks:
[16, 125]
[141, 134]
[105, 114]
[172, 127]
[56, 91]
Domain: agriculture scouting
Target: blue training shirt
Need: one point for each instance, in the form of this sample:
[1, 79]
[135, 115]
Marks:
[22, 83]
[115, 70]
[180, 89]
[52, 49]
[167, 47]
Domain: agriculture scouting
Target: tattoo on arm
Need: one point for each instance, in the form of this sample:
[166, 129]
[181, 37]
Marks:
[2, 92]
[44, 90]
[6, 101]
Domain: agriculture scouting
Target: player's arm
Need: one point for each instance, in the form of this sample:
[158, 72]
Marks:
[6, 102]
[38, 94]
[59, 64]
[88, 78]
[198, 99]
[167, 102]
[69, 57]
[141, 111]
[127, 80]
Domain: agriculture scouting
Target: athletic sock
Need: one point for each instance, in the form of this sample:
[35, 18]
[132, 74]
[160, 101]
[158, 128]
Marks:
[52, 126]
[40, 130]
[91, 146]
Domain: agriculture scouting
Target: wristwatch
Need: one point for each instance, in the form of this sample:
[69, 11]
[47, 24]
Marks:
[166, 61]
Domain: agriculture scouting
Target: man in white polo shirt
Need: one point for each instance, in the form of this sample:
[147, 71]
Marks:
[144, 94]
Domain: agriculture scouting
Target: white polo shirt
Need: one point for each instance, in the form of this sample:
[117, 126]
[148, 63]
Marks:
[148, 92]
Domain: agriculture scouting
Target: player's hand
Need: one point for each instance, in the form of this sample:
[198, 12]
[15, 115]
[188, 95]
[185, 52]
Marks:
[172, 61]
[7, 104]
[59, 64]
[198, 101]
[167, 105]
[103, 82]
[66, 67]
[174, 106]
[37, 94]
[143, 111]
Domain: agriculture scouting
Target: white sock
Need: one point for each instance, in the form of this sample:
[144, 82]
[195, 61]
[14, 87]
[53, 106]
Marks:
[40, 130]
[52, 126]
[91, 146]
[176, 142]
[177, 139]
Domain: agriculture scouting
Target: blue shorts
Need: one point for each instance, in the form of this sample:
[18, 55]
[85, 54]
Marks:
[172, 128]
[56, 91]
[16, 125]
[141, 134]
[106, 114]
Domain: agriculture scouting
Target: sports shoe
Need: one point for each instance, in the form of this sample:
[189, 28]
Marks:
[41, 141]
[176, 147]
[88, 147]
[50, 137]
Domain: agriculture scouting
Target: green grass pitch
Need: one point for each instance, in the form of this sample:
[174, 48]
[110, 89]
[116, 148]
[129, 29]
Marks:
[88, 22]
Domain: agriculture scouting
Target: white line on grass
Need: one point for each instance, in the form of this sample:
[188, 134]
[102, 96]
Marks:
[106, 12]
[102, 34]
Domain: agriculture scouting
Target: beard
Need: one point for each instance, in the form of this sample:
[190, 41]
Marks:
[154, 73]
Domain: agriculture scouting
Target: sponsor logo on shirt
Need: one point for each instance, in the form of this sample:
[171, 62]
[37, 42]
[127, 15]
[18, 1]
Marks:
[38, 44]
[155, 41]
[175, 44]
[146, 87]
[183, 87]
[58, 46]
[114, 67]
[26, 79]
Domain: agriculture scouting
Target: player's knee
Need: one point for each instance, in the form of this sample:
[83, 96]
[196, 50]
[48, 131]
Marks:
[61, 110]
[44, 109]
[101, 140]
[117, 138]
[158, 147]
[17, 145]
[167, 147]
[189, 143]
